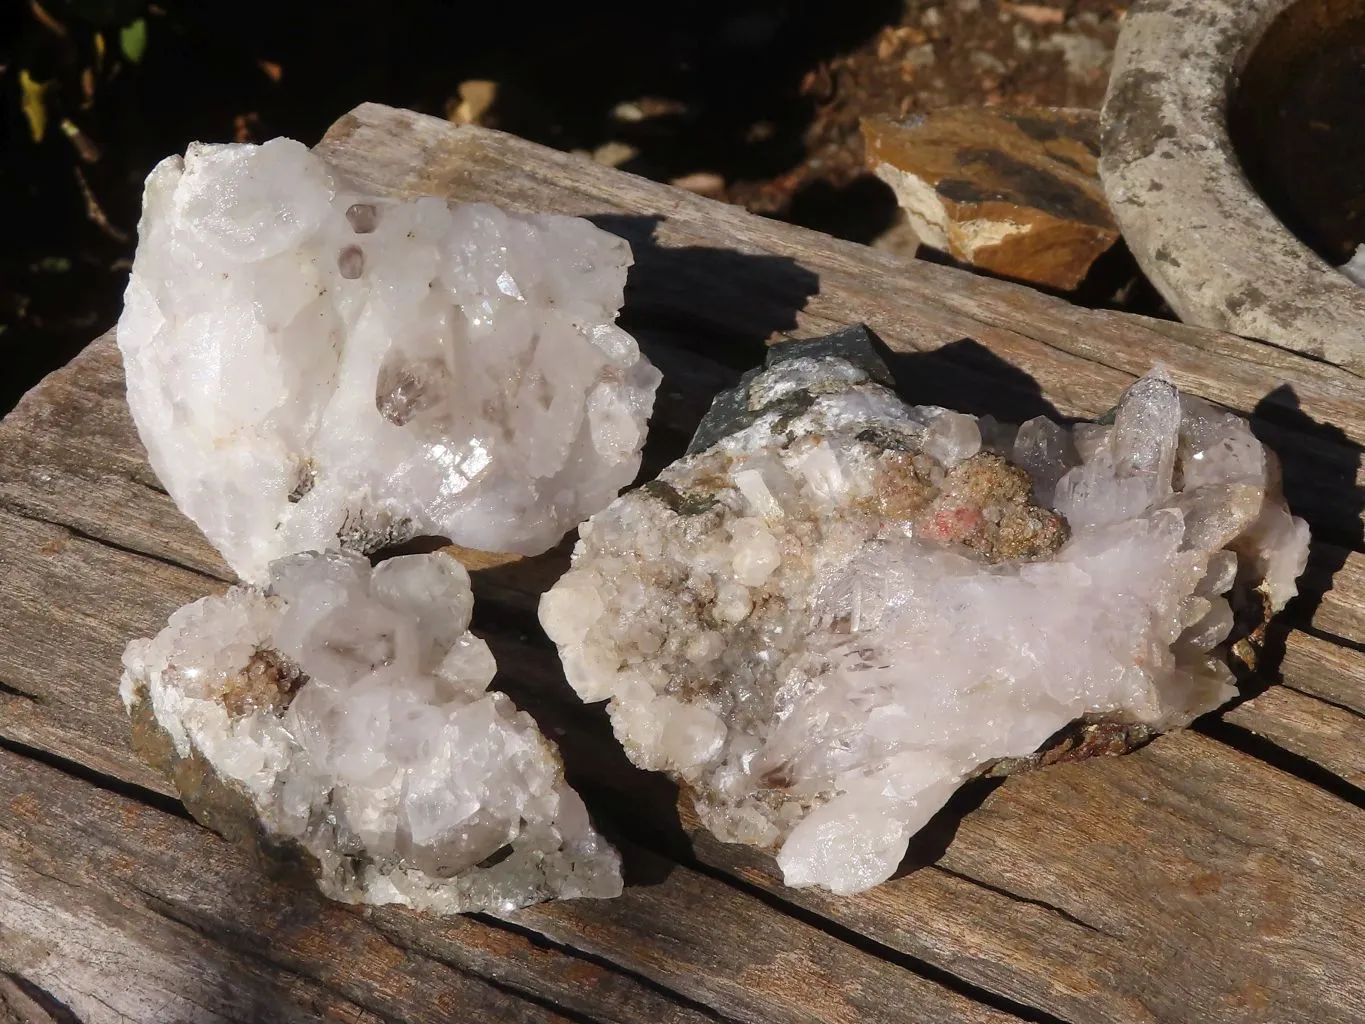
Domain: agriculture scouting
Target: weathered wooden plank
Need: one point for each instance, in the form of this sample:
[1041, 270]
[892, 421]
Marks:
[1324, 669]
[72, 699]
[688, 918]
[85, 570]
[122, 913]
[105, 486]
[1334, 593]
[975, 913]
[17, 1006]
[1172, 890]
[1330, 736]
[69, 606]
[1042, 945]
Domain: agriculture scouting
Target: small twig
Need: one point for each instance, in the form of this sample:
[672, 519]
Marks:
[85, 147]
[95, 212]
[46, 20]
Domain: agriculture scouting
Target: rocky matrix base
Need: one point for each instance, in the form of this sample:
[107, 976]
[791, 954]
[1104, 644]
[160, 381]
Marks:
[308, 365]
[837, 608]
[341, 722]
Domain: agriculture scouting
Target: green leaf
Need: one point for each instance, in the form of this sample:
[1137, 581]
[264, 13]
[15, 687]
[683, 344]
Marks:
[132, 40]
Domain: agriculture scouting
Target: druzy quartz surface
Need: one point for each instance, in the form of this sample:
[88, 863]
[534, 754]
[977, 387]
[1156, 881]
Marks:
[340, 720]
[310, 366]
[837, 608]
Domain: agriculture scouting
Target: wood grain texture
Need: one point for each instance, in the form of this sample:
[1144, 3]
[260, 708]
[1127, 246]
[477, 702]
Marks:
[1188, 881]
[1321, 668]
[123, 912]
[1330, 736]
[72, 708]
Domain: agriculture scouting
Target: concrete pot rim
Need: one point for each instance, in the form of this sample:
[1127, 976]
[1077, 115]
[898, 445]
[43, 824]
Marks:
[1206, 240]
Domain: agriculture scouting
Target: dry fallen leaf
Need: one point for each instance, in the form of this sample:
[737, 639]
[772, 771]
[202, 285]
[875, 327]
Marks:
[476, 96]
[703, 183]
[33, 102]
[1038, 14]
[614, 153]
[244, 127]
[46, 20]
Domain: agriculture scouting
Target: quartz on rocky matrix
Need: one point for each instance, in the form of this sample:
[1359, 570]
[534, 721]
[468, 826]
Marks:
[310, 366]
[341, 721]
[837, 608]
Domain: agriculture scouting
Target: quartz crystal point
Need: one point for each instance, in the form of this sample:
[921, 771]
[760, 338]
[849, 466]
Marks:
[837, 608]
[308, 365]
[341, 720]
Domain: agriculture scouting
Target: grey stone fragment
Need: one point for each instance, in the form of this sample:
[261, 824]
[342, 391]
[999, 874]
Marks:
[731, 411]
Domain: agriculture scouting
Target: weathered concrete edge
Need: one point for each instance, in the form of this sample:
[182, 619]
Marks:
[1211, 246]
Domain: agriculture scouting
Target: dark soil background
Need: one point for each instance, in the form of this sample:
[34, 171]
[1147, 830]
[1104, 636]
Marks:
[750, 101]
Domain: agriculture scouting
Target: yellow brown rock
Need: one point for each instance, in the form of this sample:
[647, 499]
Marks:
[1014, 192]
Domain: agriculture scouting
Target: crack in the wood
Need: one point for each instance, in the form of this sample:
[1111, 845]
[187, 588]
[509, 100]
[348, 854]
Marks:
[80, 534]
[830, 927]
[54, 1009]
[506, 987]
[873, 947]
[1305, 769]
[250, 947]
[154, 487]
[14, 691]
[1337, 640]
[1329, 701]
[1030, 901]
[543, 941]
[100, 780]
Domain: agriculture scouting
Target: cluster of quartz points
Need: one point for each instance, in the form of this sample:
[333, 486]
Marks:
[827, 620]
[311, 366]
[1354, 268]
[822, 620]
[351, 708]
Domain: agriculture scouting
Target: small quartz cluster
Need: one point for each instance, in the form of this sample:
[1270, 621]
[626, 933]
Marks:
[837, 608]
[341, 719]
[1354, 268]
[310, 366]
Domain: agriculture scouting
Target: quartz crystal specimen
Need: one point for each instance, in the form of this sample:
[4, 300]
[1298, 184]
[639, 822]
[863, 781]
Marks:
[310, 366]
[1354, 268]
[341, 721]
[837, 608]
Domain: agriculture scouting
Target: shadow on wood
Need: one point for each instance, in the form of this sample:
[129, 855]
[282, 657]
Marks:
[1331, 475]
[968, 377]
[707, 295]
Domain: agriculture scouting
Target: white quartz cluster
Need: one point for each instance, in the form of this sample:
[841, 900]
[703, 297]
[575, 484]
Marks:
[1354, 268]
[308, 365]
[350, 708]
[826, 621]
